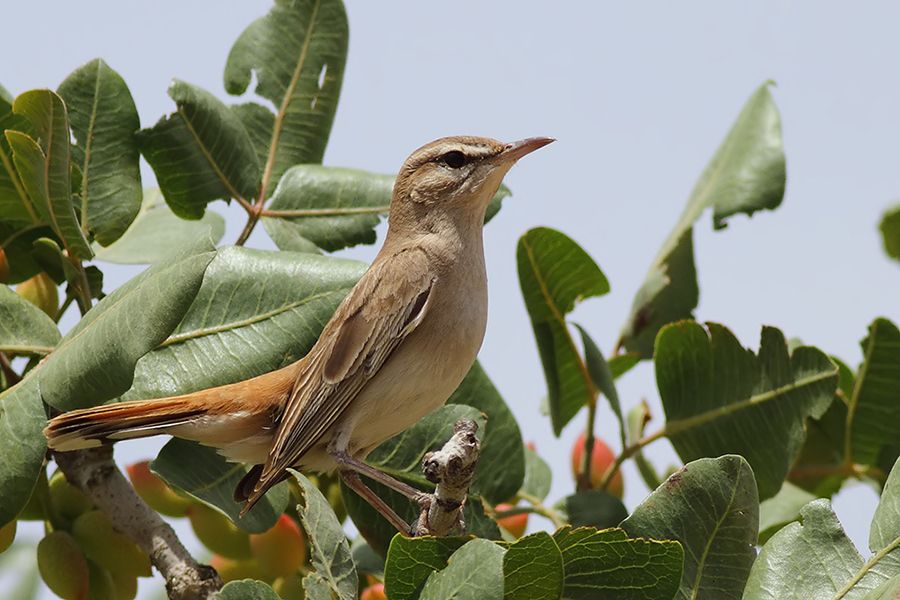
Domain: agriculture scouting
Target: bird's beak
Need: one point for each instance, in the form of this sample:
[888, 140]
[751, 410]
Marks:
[516, 150]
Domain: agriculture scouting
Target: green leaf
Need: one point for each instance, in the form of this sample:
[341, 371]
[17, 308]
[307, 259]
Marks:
[501, 462]
[297, 53]
[410, 561]
[43, 165]
[781, 509]
[889, 590]
[885, 532]
[592, 508]
[538, 475]
[328, 548]
[259, 122]
[331, 208]
[819, 467]
[720, 398]
[204, 474]
[247, 589]
[22, 444]
[890, 231]
[271, 305]
[814, 558]
[711, 507]
[608, 564]
[622, 363]
[104, 120]
[873, 413]
[156, 232]
[533, 569]
[555, 273]
[474, 572]
[96, 360]
[603, 378]
[200, 153]
[24, 328]
[746, 174]
[16, 209]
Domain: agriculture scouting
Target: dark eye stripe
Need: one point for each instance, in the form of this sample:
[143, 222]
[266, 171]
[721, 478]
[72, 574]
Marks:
[454, 159]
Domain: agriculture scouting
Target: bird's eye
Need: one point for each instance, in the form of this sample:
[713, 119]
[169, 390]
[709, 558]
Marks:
[454, 159]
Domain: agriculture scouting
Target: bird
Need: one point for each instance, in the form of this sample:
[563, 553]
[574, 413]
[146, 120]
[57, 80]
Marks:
[395, 349]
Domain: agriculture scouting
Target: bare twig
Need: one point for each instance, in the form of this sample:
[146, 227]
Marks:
[94, 471]
[451, 469]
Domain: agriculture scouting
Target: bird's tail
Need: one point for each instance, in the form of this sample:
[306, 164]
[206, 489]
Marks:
[217, 416]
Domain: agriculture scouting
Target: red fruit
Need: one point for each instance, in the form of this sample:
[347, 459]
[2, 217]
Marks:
[515, 524]
[156, 492]
[373, 592]
[280, 550]
[601, 458]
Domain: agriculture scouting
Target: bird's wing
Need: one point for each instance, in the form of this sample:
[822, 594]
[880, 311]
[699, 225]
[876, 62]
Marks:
[382, 309]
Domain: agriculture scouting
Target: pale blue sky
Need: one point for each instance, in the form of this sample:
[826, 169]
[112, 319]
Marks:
[639, 94]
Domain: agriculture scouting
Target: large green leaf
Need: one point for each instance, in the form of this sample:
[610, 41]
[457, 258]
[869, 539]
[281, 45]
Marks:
[814, 558]
[501, 463]
[104, 121]
[609, 564]
[297, 53]
[16, 209]
[328, 547]
[247, 589]
[42, 162]
[711, 507]
[95, 361]
[211, 479]
[474, 572]
[269, 305]
[330, 208]
[746, 174]
[410, 561]
[200, 153]
[21, 443]
[24, 328]
[533, 569]
[890, 231]
[720, 398]
[555, 273]
[873, 413]
[156, 232]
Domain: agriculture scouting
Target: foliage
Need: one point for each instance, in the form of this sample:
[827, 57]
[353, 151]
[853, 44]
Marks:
[766, 436]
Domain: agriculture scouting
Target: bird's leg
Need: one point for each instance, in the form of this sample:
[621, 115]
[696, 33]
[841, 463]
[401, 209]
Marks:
[347, 462]
[351, 478]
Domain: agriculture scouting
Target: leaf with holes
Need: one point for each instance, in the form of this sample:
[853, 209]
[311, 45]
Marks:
[270, 305]
[204, 474]
[873, 413]
[746, 174]
[24, 328]
[104, 121]
[555, 273]
[200, 153]
[329, 551]
[721, 398]
[156, 232]
[297, 53]
[710, 506]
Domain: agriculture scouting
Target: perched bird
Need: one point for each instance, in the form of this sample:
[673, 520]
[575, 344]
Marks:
[395, 349]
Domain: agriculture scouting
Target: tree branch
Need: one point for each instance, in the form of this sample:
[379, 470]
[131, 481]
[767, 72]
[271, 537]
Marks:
[94, 471]
[451, 469]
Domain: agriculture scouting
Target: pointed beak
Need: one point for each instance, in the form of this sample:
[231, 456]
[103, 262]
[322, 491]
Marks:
[516, 150]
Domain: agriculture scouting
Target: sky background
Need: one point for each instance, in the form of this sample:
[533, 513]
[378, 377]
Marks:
[638, 94]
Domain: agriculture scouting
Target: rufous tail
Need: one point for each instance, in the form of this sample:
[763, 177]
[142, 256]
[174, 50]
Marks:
[217, 416]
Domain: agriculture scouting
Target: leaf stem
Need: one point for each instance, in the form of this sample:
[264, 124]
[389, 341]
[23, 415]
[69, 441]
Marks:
[867, 567]
[65, 306]
[12, 378]
[537, 507]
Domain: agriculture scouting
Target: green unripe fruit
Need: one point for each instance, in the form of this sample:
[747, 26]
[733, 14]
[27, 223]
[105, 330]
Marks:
[7, 535]
[41, 291]
[156, 492]
[100, 584]
[218, 533]
[290, 587]
[126, 586]
[233, 570]
[67, 500]
[62, 566]
[107, 547]
[279, 551]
